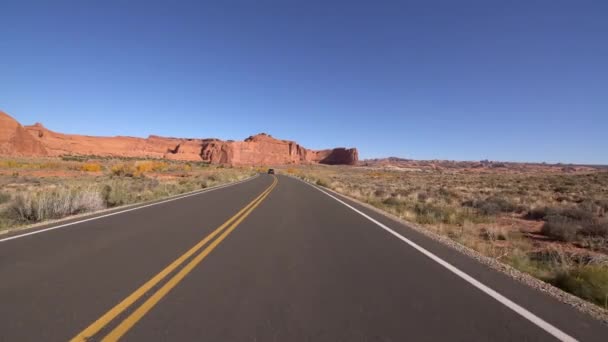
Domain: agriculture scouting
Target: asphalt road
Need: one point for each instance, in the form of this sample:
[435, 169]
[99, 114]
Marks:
[269, 259]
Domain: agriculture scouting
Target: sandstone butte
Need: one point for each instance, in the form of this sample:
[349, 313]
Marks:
[260, 149]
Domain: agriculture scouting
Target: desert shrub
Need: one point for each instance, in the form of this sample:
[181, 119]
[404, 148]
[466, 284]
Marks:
[392, 201]
[126, 191]
[52, 204]
[259, 169]
[494, 205]
[492, 234]
[106, 192]
[521, 260]
[560, 228]
[431, 214]
[422, 196]
[560, 189]
[588, 282]
[596, 228]
[66, 157]
[217, 178]
[541, 213]
[573, 213]
[380, 193]
[9, 164]
[124, 170]
[4, 197]
[322, 182]
[603, 204]
[577, 213]
[5, 221]
[90, 167]
[203, 182]
[142, 167]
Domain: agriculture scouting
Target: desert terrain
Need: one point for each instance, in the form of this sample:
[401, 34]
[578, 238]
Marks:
[546, 220]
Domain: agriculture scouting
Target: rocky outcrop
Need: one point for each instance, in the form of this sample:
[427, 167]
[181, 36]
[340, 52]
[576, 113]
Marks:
[347, 156]
[263, 149]
[260, 149]
[16, 141]
[58, 144]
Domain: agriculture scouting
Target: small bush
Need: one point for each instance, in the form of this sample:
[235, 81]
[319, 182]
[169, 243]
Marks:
[4, 197]
[259, 169]
[379, 192]
[579, 214]
[494, 205]
[560, 228]
[493, 234]
[90, 167]
[603, 204]
[54, 204]
[573, 213]
[431, 214]
[392, 201]
[596, 228]
[124, 170]
[541, 213]
[322, 182]
[148, 166]
[588, 282]
[106, 192]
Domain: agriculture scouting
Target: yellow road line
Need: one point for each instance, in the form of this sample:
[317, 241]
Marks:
[130, 321]
[96, 326]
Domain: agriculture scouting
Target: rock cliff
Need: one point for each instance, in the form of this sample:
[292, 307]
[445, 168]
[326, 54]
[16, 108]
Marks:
[260, 149]
[264, 149]
[15, 140]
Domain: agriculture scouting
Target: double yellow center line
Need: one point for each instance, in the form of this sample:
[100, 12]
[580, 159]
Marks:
[223, 231]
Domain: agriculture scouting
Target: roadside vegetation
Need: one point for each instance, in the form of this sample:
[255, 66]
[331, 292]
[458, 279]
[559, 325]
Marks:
[35, 190]
[553, 226]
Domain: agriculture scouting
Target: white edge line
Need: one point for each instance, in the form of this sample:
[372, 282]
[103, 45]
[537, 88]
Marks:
[562, 336]
[177, 197]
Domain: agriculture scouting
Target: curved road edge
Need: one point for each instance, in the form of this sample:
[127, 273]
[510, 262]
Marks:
[580, 306]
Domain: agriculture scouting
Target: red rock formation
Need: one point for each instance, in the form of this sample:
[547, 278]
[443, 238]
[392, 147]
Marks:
[16, 141]
[260, 149]
[337, 156]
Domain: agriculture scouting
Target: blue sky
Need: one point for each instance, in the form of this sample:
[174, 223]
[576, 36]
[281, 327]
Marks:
[464, 80]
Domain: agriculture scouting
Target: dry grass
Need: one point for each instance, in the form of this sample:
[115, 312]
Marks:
[91, 167]
[551, 225]
[34, 190]
[46, 204]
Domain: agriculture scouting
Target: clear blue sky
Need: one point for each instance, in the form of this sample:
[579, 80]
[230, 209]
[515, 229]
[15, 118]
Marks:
[467, 80]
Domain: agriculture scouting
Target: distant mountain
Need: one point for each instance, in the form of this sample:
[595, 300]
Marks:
[260, 149]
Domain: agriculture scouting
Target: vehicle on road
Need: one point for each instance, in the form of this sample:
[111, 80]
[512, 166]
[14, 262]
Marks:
[271, 171]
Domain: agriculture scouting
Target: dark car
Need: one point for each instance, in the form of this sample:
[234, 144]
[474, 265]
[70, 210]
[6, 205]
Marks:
[271, 171]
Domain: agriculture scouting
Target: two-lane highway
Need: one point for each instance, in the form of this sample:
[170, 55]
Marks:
[269, 259]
